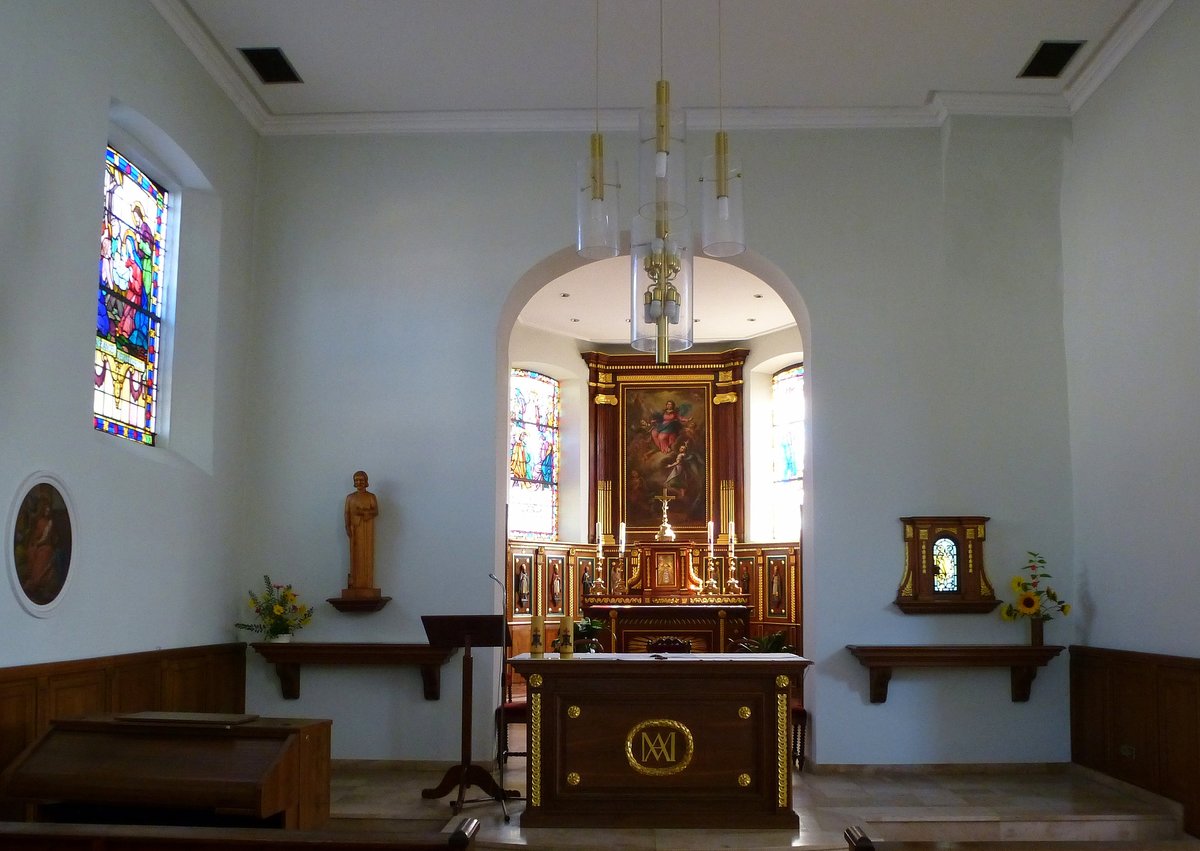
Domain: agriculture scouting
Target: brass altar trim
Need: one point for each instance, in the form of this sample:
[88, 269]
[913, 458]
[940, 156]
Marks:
[637, 601]
[648, 771]
[535, 744]
[723, 398]
[605, 399]
[573, 778]
[743, 780]
[744, 712]
[783, 773]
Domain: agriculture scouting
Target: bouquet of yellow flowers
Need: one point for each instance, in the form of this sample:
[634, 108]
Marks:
[279, 610]
[1035, 599]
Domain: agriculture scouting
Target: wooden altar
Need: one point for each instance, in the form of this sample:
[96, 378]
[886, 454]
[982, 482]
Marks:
[633, 740]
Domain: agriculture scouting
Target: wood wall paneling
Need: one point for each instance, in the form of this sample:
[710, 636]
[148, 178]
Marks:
[1136, 717]
[209, 678]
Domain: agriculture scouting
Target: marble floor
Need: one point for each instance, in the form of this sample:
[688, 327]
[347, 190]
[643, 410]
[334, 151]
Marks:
[994, 803]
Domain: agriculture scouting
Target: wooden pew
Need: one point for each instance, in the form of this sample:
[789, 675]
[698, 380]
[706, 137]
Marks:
[31, 836]
[199, 769]
[857, 840]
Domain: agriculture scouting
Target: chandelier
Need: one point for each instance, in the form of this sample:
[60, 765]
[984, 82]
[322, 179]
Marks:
[661, 237]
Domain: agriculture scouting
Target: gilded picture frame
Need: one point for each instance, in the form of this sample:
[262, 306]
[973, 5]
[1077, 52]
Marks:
[666, 450]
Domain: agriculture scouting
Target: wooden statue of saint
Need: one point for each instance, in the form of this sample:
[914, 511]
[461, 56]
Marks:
[361, 510]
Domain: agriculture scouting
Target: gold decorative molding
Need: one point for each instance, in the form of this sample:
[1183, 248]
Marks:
[573, 711]
[743, 780]
[535, 680]
[724, 376]
[572, 778]
[744, 712]
[722, 398]
[535, 744]
[658, 747]
[782, 681]
[604, 378]
[782, 717]
[605, 399]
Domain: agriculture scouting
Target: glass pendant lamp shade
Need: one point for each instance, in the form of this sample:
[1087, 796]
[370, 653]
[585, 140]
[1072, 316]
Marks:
[661, 292]
[597, 203]
[662, 166]
[722, 229]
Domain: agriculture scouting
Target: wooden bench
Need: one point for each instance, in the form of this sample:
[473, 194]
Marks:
[38, 836]
[857, 840]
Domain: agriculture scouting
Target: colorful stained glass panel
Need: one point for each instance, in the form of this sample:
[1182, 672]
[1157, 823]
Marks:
[787, 429]
[533, 456]
[129, 305]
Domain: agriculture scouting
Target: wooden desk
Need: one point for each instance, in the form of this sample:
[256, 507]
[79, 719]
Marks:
[272, 769]
[643, 740]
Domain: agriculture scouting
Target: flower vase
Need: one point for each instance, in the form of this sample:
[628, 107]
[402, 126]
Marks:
[1036, 632]
[282, 638]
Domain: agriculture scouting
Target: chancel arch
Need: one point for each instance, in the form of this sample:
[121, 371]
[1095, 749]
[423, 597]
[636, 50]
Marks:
[644, 582]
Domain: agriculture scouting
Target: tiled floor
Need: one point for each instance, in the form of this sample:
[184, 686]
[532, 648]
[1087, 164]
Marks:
[999, 803]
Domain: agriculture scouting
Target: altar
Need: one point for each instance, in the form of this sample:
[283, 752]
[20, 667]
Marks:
[637, 740]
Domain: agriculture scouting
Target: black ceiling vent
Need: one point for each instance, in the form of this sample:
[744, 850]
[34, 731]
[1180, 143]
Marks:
[270, 64]
[1051, 57]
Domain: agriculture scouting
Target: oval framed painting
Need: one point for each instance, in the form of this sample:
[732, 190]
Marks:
[40, 543]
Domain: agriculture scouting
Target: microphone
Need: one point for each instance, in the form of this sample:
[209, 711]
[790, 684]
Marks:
[495, 579]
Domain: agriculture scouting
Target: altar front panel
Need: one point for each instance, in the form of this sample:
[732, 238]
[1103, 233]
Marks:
[692, 740]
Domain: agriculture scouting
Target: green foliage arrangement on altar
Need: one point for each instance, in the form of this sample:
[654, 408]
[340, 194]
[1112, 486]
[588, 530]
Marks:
[587, 635]
[279, 610]
[1035, 599]
[771, 642]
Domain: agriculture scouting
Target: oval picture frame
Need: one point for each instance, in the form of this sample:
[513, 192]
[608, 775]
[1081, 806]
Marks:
[40, 543]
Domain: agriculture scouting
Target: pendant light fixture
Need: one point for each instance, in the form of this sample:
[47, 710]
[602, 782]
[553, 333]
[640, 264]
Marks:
[597, 199]
[661, 235]
[722, 229]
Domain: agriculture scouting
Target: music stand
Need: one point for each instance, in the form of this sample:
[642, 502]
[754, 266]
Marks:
[467, 631]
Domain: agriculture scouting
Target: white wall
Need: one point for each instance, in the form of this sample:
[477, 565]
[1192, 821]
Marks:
[1131, 207]
[923, 267]
[391, 271]
[154, 529]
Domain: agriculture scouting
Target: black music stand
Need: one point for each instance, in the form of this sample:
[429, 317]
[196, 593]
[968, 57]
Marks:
[467, 631]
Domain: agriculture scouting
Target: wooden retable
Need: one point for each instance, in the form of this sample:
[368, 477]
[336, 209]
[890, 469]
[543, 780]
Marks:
[660, 740]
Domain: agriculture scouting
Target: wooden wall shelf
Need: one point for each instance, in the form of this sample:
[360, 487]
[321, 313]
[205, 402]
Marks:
[288, 657]
[1022, 661]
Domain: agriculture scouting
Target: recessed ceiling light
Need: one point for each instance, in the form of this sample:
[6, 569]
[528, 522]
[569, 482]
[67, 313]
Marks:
[574, 320]
[564, 295]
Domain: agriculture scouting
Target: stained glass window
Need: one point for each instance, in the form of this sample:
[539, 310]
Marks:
[945, 564]
[533, 456]
[129, 307]
[787, 440]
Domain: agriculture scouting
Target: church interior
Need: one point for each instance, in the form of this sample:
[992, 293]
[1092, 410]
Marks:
[954, 599]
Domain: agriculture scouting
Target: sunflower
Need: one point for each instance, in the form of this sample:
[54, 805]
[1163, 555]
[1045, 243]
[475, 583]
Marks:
[1018, 584]
[1066, 609]
[1029, 603]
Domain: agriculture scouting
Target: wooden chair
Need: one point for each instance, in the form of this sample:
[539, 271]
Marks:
[668, 644]
[512, 710]
[799, 730]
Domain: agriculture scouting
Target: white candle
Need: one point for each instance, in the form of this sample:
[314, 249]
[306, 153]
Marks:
[622, 538]
[599, 541]
[710, 539]
[731, 537]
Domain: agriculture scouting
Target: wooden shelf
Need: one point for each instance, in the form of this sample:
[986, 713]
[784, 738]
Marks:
[1022, 661]
[288, 657]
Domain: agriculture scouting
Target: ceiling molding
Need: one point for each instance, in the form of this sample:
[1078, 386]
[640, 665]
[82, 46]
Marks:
[204, 47]
[940, 105]
[1109, 55]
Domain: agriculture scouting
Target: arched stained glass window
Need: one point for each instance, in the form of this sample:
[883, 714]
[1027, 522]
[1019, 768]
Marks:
[533, 456]
[787, 439]
[945, 564]
[129, 308]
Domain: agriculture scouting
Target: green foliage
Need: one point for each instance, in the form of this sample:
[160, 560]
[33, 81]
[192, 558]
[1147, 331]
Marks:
[772, 642]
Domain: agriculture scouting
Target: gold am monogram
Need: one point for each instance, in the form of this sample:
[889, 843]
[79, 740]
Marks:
[658, 747]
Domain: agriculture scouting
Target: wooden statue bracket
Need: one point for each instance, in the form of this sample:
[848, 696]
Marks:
[287, 659]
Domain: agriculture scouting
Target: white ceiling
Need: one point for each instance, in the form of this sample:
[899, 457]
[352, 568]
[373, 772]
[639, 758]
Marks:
[481, 65]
